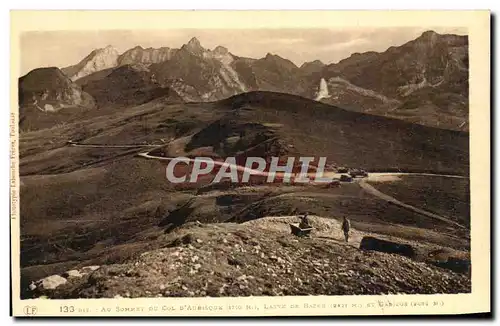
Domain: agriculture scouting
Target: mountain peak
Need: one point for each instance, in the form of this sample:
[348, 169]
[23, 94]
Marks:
[311, 63]
[46, 75]
[269, 55]
[109, 49]
[49, 89]
[275, 57]
[428, 38]
[312, 66]
[98, 59]
[428, 34]
[221, 50]
[194, 46]
[194, 42]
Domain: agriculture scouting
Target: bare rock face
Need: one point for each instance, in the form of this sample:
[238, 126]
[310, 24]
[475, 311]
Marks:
[72, 273]
[97, 60]
[52, 282]
[145, 56]
[187, 92]
[455, 264]
[228, 75]
[200, 74]
[194, 47]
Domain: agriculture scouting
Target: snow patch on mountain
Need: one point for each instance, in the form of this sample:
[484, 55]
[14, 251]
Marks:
[323, 90]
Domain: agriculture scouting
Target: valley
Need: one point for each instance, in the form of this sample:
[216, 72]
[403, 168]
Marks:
[98, 210]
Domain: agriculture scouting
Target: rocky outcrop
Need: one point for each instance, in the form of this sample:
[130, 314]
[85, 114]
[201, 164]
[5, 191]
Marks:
[53, 282]
[371, 243]
[455, 264]
[145, 56]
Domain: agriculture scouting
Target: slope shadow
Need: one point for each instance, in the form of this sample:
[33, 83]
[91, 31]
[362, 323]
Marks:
[177, 217]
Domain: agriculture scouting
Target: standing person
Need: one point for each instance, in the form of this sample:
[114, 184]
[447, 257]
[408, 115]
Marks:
[346, 226]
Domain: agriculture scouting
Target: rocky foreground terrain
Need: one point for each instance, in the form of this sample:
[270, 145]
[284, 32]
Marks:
[256, 258]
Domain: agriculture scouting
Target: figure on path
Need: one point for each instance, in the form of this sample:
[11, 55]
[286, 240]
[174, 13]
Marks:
[346, 226]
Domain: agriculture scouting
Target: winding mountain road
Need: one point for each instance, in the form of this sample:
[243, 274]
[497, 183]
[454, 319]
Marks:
[363, 183]
[75, 144]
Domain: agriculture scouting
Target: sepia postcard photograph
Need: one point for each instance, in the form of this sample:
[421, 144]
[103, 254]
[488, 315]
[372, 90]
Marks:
[250, 163]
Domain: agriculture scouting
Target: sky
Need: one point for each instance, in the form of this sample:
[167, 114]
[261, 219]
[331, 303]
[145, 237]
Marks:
[65, 48]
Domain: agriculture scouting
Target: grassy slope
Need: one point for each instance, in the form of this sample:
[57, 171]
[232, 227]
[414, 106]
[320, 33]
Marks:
[355, 139]
[80, 204]
[448, 197]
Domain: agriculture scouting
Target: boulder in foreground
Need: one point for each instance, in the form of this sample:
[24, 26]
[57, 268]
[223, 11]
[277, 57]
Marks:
[372, 243]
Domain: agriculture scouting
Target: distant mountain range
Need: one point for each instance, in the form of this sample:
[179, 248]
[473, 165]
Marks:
[424, 81]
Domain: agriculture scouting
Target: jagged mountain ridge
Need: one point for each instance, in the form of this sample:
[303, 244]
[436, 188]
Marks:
[145, 56]
[423, 81]
[201, 75]
[430, 59]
